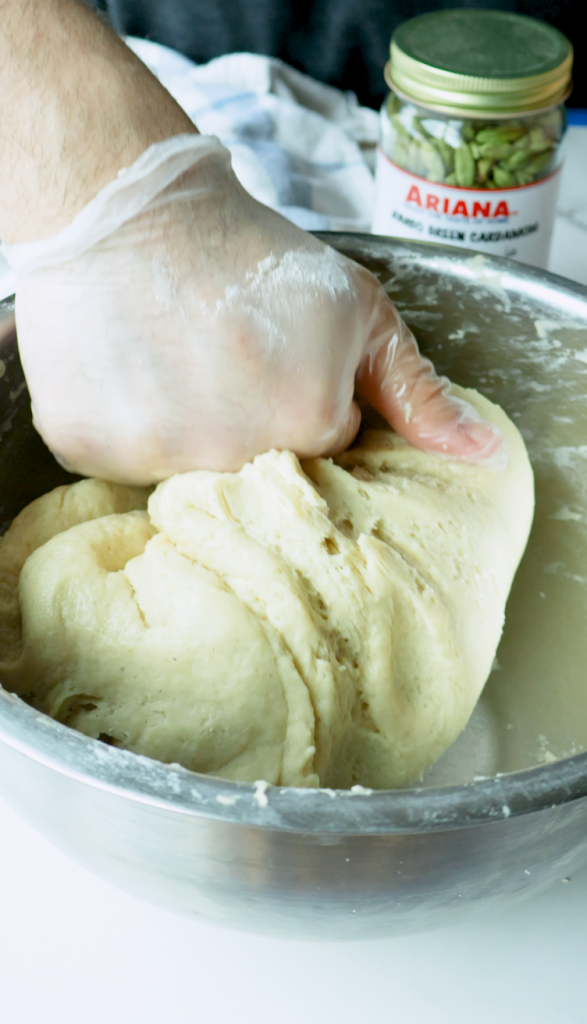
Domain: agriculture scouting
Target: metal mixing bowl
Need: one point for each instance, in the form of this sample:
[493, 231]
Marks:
[350, 864]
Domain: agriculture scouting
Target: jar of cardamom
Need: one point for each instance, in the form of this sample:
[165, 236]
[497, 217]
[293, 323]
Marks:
[470, 147]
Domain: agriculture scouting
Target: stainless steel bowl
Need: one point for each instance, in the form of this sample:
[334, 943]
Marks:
[503, 816]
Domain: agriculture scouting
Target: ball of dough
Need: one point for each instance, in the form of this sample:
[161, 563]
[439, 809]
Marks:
[328, 623]
[39, 522]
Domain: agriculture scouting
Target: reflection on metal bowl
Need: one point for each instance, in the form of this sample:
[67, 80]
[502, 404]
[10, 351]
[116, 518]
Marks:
[504, 813]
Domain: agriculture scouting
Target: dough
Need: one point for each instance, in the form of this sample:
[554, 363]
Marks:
[329, 623]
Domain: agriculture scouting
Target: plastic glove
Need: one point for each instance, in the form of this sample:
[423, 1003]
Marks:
[178, 324]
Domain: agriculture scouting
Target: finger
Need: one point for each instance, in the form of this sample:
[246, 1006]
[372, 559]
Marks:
[404, 387]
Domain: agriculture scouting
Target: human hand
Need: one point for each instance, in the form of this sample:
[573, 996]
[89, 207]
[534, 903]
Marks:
[178, 324]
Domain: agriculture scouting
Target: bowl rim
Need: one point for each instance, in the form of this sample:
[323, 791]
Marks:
[286, 808]
[317, 811]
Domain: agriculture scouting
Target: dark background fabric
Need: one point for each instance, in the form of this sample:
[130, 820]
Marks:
[342, 42]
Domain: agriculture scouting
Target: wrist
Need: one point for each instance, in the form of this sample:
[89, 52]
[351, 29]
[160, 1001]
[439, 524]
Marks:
[157, 178]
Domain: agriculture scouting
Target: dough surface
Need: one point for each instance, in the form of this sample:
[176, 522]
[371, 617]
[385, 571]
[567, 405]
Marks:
[325, 624]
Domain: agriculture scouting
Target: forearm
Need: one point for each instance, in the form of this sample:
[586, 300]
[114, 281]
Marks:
[78, 106]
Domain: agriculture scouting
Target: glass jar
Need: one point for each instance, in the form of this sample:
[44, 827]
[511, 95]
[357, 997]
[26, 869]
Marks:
[470, 142]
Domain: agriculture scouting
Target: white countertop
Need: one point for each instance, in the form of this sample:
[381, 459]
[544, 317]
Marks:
[568, 254]
[73, 950]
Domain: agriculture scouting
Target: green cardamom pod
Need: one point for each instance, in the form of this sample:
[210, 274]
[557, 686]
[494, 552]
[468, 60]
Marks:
[499, 135]
[464, 166]
[446, 153]
[538, 142]
[432, 161]
[483, 170]
[517, 161]
[416, 160]
[489, 137]
[417, 123]
[521, 145]
[539, 163]
[451, 179]
[393, 104]
[503, 178]
[493, 151]
[523, 177]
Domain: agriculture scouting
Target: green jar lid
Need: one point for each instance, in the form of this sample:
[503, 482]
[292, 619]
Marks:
[471, 62]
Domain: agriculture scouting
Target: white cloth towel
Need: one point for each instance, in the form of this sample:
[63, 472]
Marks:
[301, 147]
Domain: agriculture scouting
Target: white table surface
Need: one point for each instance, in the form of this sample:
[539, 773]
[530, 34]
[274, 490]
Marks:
[73, 950]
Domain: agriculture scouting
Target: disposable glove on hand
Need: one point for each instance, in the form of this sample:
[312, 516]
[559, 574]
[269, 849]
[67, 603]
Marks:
[178, 324]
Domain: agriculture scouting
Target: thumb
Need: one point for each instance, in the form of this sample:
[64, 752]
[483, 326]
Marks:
[404, 387]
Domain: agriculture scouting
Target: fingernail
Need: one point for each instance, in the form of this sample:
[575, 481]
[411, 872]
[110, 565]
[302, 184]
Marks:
[482, 435]
[487, 442]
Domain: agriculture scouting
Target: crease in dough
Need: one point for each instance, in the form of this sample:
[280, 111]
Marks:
[326, 623]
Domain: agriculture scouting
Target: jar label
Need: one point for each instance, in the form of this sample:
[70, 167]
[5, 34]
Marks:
[514, 222]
